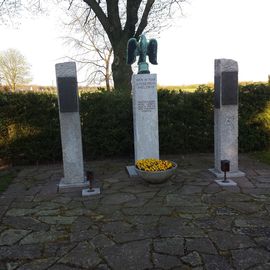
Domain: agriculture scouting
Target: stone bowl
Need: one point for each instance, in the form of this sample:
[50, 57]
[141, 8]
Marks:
[156, 177]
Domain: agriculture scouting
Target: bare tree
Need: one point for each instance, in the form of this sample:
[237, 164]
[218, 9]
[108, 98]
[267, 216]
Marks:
[121, 20]
[12, 9]
[92, 50]
[14, 68]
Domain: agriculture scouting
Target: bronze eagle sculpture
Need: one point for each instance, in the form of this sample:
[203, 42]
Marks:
[142, 48]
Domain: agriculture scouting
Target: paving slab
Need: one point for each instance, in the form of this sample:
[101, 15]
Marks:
[188, 222]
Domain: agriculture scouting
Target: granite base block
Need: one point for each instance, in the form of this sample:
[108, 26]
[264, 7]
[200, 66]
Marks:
[63, 186]
[225, 184]
[88, 192]
[131, 171]
[219, 174]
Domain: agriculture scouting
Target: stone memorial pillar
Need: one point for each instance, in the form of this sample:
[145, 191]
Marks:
[145, 116]
[226, 116]
[70, 126]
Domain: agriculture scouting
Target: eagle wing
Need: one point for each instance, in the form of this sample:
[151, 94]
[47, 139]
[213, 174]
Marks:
[131, 51]
[152, 51]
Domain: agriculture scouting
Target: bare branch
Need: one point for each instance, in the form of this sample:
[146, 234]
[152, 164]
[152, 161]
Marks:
[144, 18]
[100, 13]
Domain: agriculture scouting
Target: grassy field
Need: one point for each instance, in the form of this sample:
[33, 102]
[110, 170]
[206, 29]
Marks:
[184, 88]
[193, 87]
[92, 89]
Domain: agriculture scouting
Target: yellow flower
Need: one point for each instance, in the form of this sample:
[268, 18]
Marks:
[153, 164]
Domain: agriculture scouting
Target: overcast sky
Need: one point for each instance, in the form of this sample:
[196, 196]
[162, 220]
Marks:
[210, 29]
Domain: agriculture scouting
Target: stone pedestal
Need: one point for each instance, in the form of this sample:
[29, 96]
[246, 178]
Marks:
[226, 116]
[70, 126]
[145, 116]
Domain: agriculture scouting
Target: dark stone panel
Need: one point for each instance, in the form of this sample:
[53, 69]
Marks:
[229, 88]
[68, 94]
[217, 92]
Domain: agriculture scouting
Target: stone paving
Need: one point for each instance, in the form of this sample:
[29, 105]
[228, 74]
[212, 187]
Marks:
[186, 223]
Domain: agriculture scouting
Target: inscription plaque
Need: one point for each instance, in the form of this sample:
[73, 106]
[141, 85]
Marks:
[145, 116]
[68, 94]
[146, 105]
[229, 88]
[145, 83]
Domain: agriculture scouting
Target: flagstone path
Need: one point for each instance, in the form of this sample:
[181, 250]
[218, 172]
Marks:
[186, 223]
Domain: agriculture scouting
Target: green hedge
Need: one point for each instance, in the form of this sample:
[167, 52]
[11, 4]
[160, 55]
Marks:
[254, 117]
[29, 127]
[30, 133]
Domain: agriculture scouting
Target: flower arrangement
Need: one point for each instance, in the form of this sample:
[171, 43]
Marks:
[154, 165]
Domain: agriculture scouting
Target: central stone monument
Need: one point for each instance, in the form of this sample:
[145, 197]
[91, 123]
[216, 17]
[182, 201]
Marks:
[144, 100]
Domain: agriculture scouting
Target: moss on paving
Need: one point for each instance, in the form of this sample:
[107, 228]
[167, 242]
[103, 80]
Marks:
[262, 156]
[5, 180]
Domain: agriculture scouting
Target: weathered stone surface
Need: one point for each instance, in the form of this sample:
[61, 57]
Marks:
[10, 237]
[26, 223]
[219, 223]
[225, 240]
[18, 252]
[143, 219]
[188, 189]
[57, 249]
[116, 227]
[224, 211]
[254, 232]
[180, 200]
[136, 203]
[59, 266]
[252, 222]
[227, 196]
[101, 241]
[118, 198]
[212, 188]
[192, 259]
[176, 231]
[9, 265]
[82, 223]
[52, 212]
[265, 266]
[41, 237]
[23, 204]
[57, 219]
[166, 261]
[263, 242]
[148, 210]
[132, 256]
[172, 246]
[47, 206]
[79, 236]
[201, 245]
[138, 234]
[62, 199]
[41, 264]
[214, 262]
[78, 212]
[82, 255]
[167, 223]
[20, 212]
[247, 258]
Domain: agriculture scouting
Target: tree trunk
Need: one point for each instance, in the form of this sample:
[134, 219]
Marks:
[107, 80]
[121, 71]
